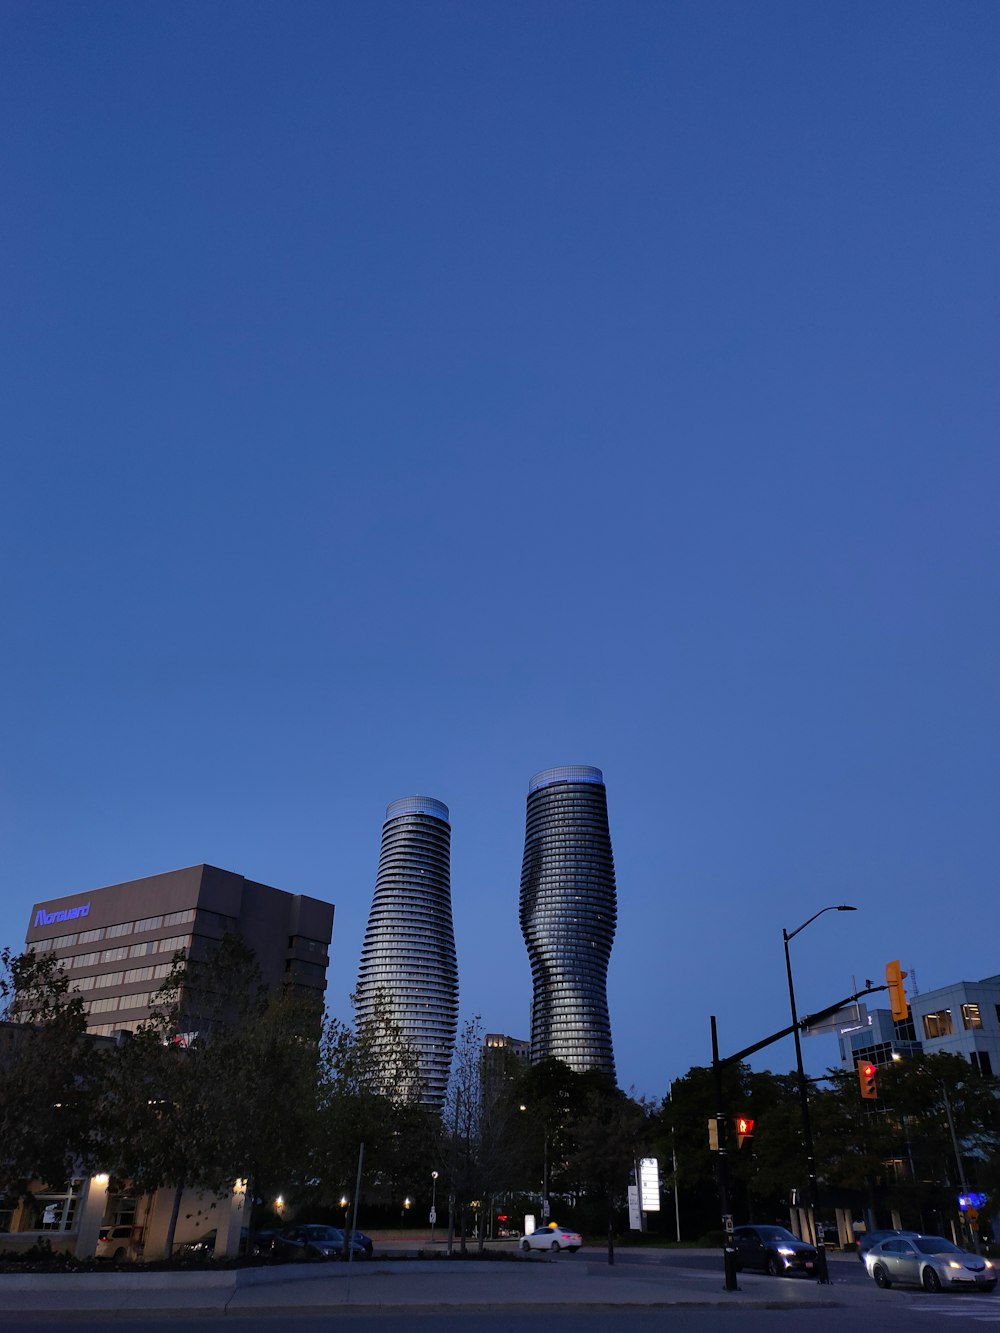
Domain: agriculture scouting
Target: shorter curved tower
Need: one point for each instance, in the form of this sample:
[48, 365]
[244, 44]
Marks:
[568, 916]
[408, 966]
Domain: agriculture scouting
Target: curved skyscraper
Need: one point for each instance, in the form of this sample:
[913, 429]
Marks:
[568, 916]
[408, 958]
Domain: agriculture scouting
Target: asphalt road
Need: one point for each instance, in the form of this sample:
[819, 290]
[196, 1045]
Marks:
[911, 1315]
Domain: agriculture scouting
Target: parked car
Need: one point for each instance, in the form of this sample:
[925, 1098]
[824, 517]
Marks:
[552, 1238]
[316, 1241]
[366, 1242]
[931, 1262]
[867, 1239]
[114, 1242]
[203, 1246]
[774, 1250]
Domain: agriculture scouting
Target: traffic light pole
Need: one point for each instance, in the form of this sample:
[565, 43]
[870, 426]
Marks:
[802, 1023]
[728, 1252]
[720, 1117]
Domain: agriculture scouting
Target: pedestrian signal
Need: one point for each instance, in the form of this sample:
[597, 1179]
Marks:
[744, 1129]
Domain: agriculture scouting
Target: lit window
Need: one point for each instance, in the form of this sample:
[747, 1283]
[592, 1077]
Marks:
[971, 1017]
[938, 1025]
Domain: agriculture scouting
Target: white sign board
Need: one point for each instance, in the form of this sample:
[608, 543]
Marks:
[634, 1211]
[649, 1185]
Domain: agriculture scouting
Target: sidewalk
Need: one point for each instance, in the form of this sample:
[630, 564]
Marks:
[566, 1282]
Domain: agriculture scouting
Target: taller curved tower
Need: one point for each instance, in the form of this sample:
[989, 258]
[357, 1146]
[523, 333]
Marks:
[568, 915]
[408, 963]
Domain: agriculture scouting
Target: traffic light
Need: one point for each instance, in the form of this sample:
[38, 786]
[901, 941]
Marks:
[897, 996]
[744, 1129]
[868, 1079]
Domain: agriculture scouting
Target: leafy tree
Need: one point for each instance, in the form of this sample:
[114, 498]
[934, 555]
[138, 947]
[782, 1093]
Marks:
[368, 1092]
[482, 1129]
[46, 1072]
[219, 1085]
[607, 1138]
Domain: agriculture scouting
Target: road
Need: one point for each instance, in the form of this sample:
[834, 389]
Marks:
[910, 1315]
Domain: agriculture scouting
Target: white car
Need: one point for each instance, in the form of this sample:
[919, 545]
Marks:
[113, 1243]
[552, 1238]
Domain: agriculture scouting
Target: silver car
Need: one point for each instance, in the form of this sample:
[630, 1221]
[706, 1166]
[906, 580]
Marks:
[931, 1262]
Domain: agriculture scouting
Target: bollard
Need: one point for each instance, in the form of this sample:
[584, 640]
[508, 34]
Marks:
[822, 1268]
[729, 1259]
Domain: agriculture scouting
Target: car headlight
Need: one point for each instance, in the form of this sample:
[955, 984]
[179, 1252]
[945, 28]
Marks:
[953, 1264]
[989, 1263]
[783, 1249]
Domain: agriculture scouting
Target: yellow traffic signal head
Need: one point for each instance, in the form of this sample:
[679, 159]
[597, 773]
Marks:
[868, 1080]
[894, 976]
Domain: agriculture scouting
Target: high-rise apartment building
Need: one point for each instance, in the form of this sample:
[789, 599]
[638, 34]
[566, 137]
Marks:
[408, 966]
[568, 916]
[116, 943]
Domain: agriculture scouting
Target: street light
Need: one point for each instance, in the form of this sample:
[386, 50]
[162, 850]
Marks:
[807, 1138]
[545, 1168]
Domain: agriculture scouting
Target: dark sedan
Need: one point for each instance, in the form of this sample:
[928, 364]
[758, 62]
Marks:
[869, 1238]
[774, 1250]
[315, 1241]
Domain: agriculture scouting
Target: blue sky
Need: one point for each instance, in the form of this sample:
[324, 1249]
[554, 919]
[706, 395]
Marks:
[408, 397]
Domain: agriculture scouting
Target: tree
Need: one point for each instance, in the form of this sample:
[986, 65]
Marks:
[608, 1138]
[368, 1091]
[219, 1085]
[46, 1074]
[482, 1129]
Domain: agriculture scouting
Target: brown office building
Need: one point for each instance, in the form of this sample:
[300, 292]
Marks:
[116, 943]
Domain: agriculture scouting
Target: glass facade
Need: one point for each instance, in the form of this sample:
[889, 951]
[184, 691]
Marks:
[568, 916]
[408, 961]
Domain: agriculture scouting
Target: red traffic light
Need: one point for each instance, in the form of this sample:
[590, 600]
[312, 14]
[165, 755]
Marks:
[868, 1079]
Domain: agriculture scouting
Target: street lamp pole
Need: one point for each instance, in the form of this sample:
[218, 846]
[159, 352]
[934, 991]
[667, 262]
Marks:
[434, 1216]
[545, 1176]
[807, 1138]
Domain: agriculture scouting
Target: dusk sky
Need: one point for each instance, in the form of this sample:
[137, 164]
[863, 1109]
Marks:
[405, 397]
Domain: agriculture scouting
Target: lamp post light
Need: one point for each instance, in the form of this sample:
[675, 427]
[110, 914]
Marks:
[545, 1175]
[807, 1138]
[434, 1215]
[545, 1168]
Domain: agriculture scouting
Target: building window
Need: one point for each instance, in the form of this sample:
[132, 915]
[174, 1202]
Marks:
[938, 1025]
[895, 1170]
[51, 1211]
[123, 928]
[982, 1061]
[179, 918]
[905, 1031]
[971, 1017]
